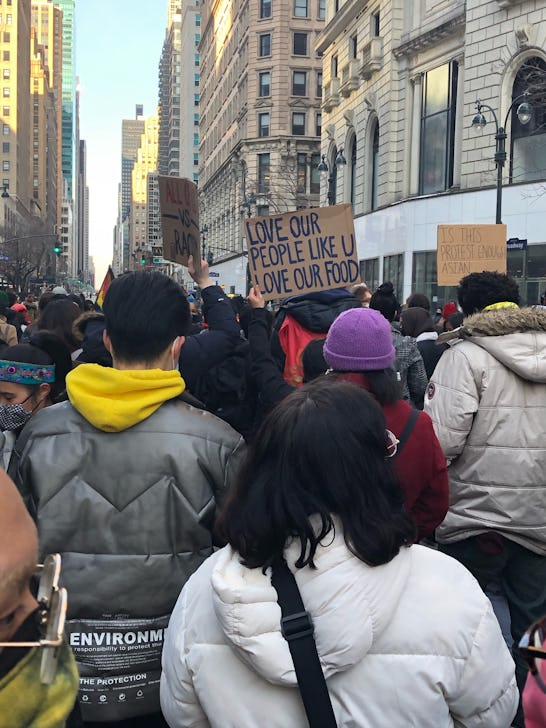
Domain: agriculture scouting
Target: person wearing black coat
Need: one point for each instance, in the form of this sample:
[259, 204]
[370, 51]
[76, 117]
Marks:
[417, 322]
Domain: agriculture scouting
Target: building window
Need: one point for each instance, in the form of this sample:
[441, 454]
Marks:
[298, 123]
[300, 44]
[263, 124]
[318, 89]
[9, 19]
[374, 181]
[528, 149]
[6, 73]
[265, 8]
[196, 160]
[196, 99]
[353, 47]
[6, 37]
[5, 129]
[262, 210]
[5, 55]
[195, 81]
[352, 173]
[196, 119]
[6, 92]
[299, 83]
[438, 129]
[300, 8]
[318, 123]
[393, 271]
[5, 165]
[5, 110]
[376, 25]
[321, 9]
[332, 177]
[301, 173]
[333, 67]
[315, 174]
[264, 173]
[265, 45]
[196, 60]
[369, 272]
[5, 147]
[196, 140]
[264, 83]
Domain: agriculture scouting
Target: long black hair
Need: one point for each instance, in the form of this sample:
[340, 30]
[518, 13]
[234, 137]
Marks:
[321, 452]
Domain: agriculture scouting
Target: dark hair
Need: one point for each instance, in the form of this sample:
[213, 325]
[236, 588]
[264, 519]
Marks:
[384, 301]
[418, 300]
[415, 321]
[58, 317]
[321, 452]
[382, 384]
[478, 290]
[456, 320]
[44, 348]
[144, 312]
[313, 361]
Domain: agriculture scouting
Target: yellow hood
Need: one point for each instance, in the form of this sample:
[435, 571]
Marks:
[113, 399]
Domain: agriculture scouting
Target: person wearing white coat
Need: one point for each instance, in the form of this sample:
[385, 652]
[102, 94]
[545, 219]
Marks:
[405, 636]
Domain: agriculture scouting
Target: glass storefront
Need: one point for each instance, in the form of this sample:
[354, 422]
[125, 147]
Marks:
[528, 267]
[423, 280]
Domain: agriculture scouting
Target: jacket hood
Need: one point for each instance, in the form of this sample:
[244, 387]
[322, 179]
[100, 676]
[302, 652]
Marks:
[341, 586]
[113, 400]
[516, 337]
[318, 313]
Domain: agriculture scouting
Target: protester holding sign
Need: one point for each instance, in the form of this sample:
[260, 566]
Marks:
[124, 480]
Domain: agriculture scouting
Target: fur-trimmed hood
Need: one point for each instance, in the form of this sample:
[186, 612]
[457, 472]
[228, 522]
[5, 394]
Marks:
[516, 337]
[80, 324]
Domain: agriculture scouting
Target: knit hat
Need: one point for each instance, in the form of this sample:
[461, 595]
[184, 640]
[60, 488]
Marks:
[59, 291]
[449, 308]
[360, 339]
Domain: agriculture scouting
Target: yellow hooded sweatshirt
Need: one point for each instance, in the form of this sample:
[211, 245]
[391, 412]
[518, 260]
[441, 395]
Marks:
[113, 400]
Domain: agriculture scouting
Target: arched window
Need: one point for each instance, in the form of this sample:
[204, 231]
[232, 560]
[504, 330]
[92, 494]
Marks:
[332, 177]
[528, 141]
[352, 173]
[374, 176]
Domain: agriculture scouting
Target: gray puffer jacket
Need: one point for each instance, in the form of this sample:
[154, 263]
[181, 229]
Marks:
[487, 400]
[131, 514]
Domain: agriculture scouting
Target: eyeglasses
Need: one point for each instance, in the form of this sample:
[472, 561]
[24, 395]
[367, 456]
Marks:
[392, 443]
[51, 616]
[532, 647]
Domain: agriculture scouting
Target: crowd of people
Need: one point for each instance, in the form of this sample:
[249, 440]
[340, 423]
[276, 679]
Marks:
[181, 450]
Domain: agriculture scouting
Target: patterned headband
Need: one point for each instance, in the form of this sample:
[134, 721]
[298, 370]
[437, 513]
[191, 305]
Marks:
[21, 373]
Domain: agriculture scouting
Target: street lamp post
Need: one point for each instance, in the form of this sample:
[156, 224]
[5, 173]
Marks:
[524, 113]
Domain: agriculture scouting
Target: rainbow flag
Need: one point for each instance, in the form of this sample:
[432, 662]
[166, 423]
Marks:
[108, 278]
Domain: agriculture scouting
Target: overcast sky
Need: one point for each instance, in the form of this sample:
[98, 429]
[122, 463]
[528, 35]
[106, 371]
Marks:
[118, 46]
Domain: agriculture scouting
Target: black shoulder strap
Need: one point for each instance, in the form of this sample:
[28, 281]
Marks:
[406, 432]
[297, 629]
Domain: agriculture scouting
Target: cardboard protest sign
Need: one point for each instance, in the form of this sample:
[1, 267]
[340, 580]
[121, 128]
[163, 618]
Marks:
[302, 251]
[179, 219]
[464, 249]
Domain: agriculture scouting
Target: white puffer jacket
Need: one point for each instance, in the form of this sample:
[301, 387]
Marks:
[487, 401]
[411, 644]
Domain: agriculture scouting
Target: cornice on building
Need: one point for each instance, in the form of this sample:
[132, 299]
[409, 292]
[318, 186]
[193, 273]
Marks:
[349, 12]
[431, 37]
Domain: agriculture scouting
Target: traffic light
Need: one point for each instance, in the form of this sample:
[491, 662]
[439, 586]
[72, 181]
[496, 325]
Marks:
[143, 260]
[57, 249]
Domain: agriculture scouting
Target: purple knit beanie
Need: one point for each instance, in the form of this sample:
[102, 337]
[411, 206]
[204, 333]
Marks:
[359, 340]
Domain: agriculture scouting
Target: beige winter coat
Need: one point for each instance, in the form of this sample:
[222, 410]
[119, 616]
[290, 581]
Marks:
[487, 400]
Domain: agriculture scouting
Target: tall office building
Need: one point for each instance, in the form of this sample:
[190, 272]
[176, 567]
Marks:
[46, 20]
[68, 92]
[82, 268]
[131, 132]
[145, 165]
[260, 123]
[15, 115]
[179, 80]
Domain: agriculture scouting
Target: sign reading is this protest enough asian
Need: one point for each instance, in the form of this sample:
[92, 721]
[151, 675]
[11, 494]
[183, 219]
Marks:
[464, 249]
[302, 251]
[179, 219]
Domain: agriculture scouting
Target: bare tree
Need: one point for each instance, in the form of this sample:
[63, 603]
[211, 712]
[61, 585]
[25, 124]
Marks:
[22, 257]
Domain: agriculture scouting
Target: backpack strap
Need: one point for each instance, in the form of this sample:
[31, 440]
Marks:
[297, 629]
[406, 432]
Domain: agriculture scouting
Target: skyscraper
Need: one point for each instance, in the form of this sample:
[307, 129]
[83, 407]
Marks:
[144, 166]
[131, 132]
[82, 271]
[68, 93]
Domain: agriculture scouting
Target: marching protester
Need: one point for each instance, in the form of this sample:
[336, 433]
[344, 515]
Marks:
[417, 323]
[359, 349]
[32, 376]
[124, 481]
[8, 332]
[59, 317]
[404, 634]
[27, 696]
[487, 400]
[409, 362]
